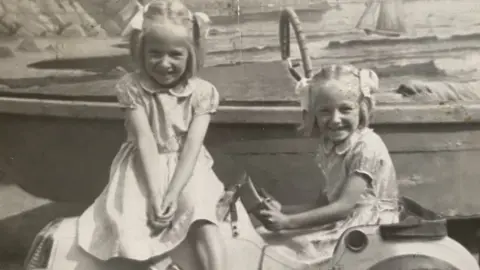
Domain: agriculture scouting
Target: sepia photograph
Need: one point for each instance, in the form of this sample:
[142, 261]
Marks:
[239, 134]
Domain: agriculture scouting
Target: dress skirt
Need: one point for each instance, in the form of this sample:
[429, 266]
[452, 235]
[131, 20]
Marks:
[115, 225]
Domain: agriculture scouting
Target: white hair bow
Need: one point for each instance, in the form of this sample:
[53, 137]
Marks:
[301, 90]
[137, 20]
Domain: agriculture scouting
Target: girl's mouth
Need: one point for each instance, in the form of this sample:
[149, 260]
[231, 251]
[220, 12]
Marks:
[163, 72]
[336, 129]
[166, 75]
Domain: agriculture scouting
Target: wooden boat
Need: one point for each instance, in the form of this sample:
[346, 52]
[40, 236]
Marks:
[233, 12]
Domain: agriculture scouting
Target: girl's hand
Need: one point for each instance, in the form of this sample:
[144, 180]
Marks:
[270, 202]
[160, 215]
[276, 220]
[155, 220]
[169, 205]
[274, 204]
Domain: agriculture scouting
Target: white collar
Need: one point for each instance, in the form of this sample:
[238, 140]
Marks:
[152, 87]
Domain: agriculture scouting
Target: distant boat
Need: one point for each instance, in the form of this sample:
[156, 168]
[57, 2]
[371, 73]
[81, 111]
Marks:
[383, 17]
[225, 12]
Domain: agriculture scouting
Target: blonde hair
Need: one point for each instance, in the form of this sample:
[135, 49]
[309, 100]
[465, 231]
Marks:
[364, 80]
[156, 13]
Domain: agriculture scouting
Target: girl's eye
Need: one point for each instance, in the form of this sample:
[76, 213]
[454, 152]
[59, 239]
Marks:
[176, 54]
[156, 54]
[323, 110]
[346, 109]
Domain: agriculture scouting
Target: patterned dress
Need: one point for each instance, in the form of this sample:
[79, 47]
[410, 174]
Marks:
[115, 225]
[365, 153]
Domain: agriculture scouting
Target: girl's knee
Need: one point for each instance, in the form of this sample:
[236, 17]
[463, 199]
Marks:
[201, 229]
[209, 244]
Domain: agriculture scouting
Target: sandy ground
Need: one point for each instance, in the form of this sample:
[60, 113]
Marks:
[52, 48]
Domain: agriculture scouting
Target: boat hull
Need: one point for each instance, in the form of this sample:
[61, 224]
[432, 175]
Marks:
[67, 158]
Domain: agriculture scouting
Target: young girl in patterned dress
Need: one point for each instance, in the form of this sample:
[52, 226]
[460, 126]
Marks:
[360, 178]
[162, 188]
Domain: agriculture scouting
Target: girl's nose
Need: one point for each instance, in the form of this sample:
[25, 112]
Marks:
[336, 117]
[164, 62]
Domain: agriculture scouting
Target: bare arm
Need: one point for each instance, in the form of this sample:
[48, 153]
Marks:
[294, 209]
[147, 148]
[335, 211]
[189, 154]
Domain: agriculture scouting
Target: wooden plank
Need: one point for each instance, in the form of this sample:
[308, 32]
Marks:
[412, 142]
[427, 113]
[57, 108]
[386, 114]
[446, 182]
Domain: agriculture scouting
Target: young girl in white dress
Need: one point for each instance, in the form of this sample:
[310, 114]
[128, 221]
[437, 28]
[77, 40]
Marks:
[360, 177]
[162, 188]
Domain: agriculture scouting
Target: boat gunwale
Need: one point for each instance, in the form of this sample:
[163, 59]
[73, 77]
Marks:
[247, 114]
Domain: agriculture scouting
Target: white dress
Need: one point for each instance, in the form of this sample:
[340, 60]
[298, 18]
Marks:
[365, 153]
[115, 225]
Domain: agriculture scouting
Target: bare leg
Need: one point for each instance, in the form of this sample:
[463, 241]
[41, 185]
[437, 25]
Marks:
[209, 244]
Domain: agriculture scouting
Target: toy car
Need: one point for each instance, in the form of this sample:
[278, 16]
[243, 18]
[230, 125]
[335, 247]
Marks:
[418, 241]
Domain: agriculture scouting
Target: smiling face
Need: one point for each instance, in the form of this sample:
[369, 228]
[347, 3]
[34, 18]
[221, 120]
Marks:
[337, 109]
[166, 54]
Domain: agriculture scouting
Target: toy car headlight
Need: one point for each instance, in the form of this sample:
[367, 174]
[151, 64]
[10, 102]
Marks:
[39, 255]
[356, 241]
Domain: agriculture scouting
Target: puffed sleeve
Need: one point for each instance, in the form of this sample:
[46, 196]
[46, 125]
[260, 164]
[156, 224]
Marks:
[206, 99]
[365, 160]
[128, 92]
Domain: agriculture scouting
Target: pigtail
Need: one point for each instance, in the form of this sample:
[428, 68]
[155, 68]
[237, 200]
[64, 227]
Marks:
[197, 42]
[201, 26]
[368, 84]
[309, 126]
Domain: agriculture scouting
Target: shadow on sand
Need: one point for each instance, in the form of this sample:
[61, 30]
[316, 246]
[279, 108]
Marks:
[98, 64]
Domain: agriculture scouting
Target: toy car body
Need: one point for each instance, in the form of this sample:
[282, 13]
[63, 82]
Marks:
[419, 241]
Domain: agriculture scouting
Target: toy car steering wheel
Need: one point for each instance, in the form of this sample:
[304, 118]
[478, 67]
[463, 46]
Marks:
[289, 17]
